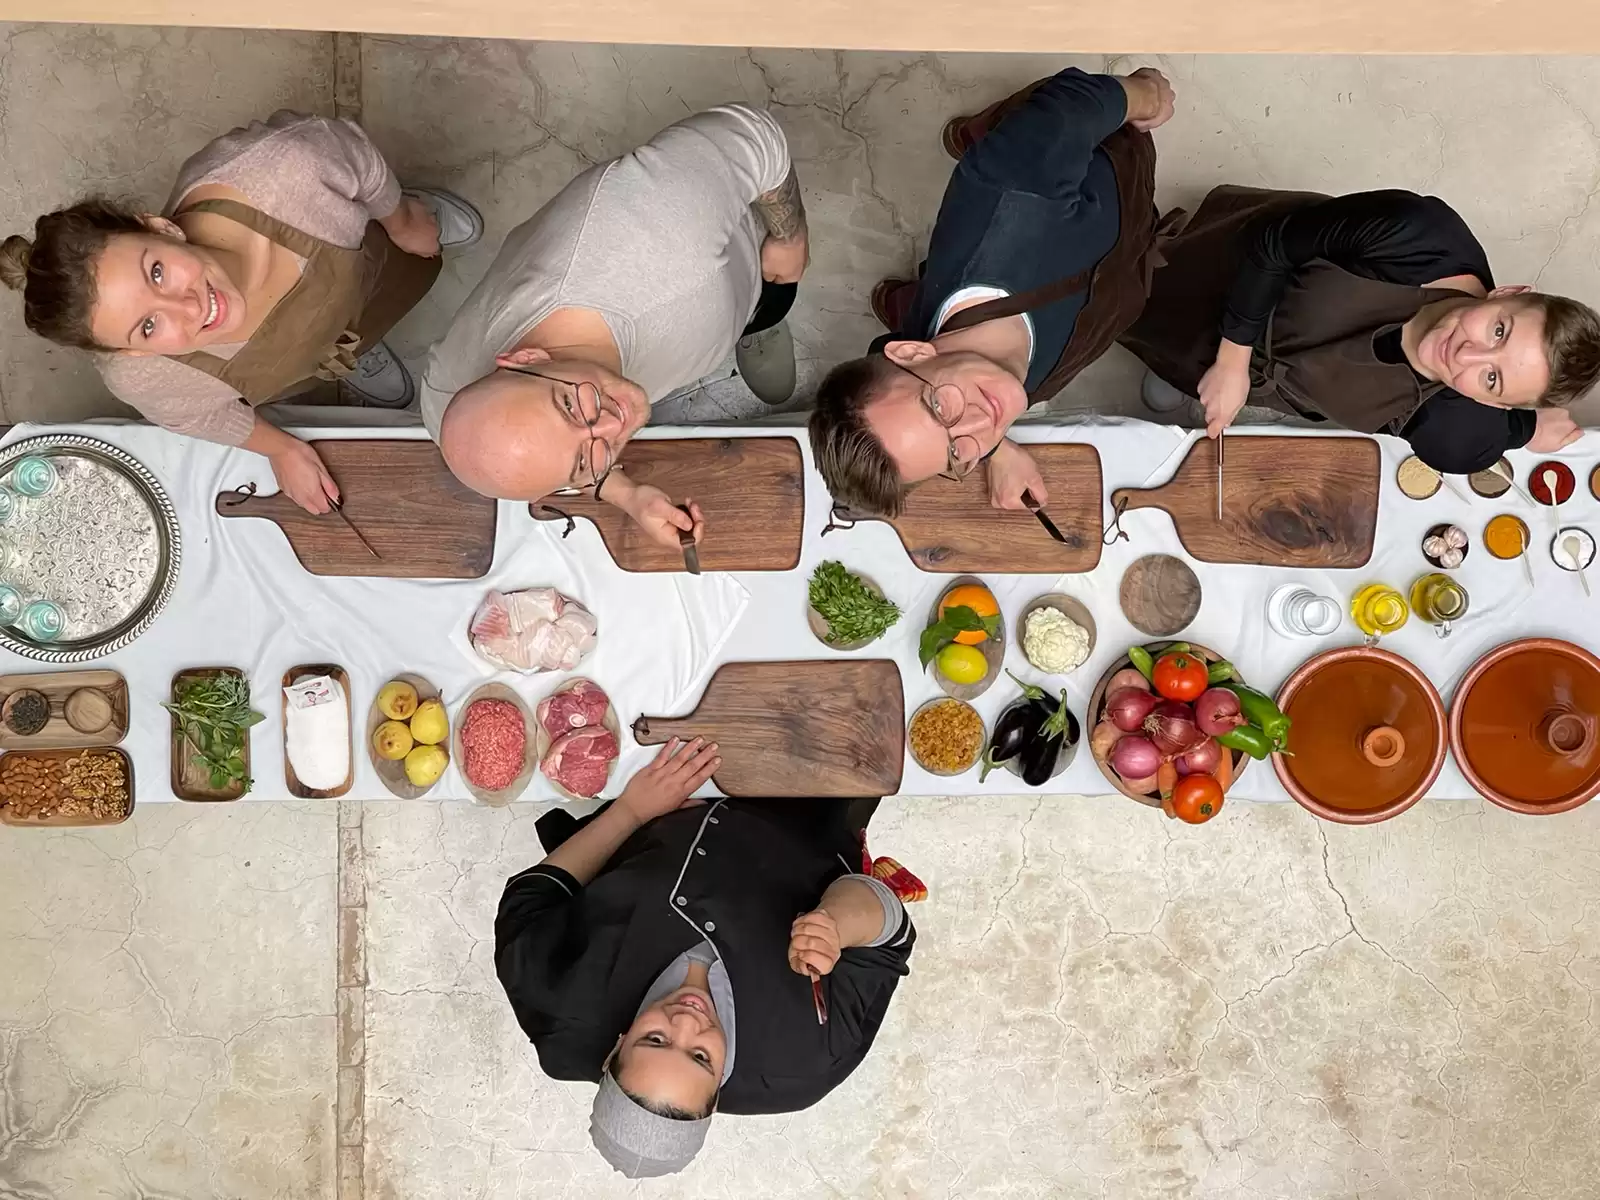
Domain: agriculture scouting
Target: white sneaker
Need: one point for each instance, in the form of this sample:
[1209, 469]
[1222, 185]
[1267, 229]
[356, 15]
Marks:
[460, 224]
[381, 380]
[766, 360]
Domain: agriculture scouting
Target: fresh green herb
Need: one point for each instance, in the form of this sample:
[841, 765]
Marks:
[959, 619]
[214, 713]
[853, 611]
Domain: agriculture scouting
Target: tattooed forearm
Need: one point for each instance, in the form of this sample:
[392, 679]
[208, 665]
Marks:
[782, 210]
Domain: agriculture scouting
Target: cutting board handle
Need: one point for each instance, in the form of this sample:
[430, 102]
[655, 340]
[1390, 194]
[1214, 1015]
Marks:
[244, 502]
[656, 731]
[1127, 499]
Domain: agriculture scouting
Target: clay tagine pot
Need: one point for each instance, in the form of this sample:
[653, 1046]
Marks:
[1525, 725]
[1368, 735]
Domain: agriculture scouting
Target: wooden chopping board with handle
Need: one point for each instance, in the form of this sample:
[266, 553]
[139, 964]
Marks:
[951, 528]
[814, 728]
[423, 522]
[751, 490]
[1286, 501]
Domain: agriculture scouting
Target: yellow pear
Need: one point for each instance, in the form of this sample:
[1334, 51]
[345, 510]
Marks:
[397, 700]
[430, 725]
[425, 764]
[392, 740]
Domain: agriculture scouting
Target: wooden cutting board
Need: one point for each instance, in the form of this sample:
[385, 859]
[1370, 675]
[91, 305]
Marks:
[752, 491]
[950, 528]
[1286, 501]
[828, 727]
[423, 521]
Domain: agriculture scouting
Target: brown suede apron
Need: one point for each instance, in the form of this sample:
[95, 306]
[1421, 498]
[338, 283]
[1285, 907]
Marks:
[1316, 358]
[343, 302]
[1117, 284]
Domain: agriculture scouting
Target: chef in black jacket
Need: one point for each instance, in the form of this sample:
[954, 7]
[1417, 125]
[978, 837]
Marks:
[1375, 311]
[625, 951]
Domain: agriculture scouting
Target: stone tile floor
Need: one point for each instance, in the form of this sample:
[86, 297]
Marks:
[1101, 1006]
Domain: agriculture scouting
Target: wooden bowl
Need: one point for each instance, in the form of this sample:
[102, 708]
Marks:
[338, 674]
[993, 648]
[392, 771]
[543, 741]
[1499, 739]
[189, 781]
[819, 626]
[1097, 699]
[1073, 610]
[58, 688]
[530, 760]
[61, 822]
[1377, 693]
[983, 739]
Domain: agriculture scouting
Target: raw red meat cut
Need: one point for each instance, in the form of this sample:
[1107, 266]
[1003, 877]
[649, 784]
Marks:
[583, 703]
[494, 738]
[581, 760]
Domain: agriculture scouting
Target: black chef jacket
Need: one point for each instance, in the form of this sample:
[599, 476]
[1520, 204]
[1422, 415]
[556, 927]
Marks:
[576, 961]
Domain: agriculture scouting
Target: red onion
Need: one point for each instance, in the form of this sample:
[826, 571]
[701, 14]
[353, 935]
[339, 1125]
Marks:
[1199, 759]
[1217, 711]
[1135, 757]
[1171, 727]
[1127, 708]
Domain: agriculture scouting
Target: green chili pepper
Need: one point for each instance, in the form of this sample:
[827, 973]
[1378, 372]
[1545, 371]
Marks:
[1261, 712]
[1176, 648]
[1217, 672]
[1248, 738]
[1143, 663]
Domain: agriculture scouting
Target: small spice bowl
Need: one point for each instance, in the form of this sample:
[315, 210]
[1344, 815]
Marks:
[1506, 536]
[1446, 546]
[26, 711]
[977, 751]
[1073, 610]
[1563, 558]
[1492, 483]
[1417, 480]
[88, 710]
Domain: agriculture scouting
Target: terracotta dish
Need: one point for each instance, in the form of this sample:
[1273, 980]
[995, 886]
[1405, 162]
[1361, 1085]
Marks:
[1368, 735]
[1523, 725]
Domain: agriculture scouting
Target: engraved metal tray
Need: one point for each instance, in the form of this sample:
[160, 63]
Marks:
[104, 544]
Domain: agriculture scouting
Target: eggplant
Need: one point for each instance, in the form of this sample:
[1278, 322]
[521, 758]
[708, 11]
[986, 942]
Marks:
[1014, 729]
[1045, 754]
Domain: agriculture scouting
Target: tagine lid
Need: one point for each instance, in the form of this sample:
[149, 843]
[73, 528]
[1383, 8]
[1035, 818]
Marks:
[1368, 735]
[1525, 725]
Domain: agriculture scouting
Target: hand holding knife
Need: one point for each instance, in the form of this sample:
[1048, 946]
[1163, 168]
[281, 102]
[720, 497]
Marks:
[691, 553]
[1031, 503]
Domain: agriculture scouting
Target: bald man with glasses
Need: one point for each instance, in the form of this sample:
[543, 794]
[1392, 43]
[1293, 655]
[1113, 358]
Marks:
[636, 280]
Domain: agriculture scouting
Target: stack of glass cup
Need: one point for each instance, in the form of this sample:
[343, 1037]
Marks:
[41, 620]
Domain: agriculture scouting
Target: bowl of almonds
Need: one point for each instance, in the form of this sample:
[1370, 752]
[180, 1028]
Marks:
[66, 787]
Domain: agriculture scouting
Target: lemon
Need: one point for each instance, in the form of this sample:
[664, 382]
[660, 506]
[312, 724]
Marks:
[425, 764]
[430, 724]
[392, 740]
[962, 664]
[397, 700]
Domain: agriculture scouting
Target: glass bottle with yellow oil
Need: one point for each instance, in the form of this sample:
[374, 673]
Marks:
[1378, 610]
[1439, 600]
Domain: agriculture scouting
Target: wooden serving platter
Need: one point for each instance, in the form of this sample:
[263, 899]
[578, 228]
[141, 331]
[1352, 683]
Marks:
[189, 781]
[815, 728]
[63, 822]
[339, 676]
[751, 490]
[993, 648]
[422, 520]
[951, 528]
[530, 757]
[56, 687]
[1286, 502]
[393, 771]
[543, 741]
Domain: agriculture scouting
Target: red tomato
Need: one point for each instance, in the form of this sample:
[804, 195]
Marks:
[1180, 677]
[1196, 799]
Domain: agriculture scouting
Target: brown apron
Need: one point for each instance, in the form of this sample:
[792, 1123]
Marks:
[1316, 358]
[1117, 284]
[343, 302]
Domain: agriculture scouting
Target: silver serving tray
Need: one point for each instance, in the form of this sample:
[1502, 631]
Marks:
[104, 544]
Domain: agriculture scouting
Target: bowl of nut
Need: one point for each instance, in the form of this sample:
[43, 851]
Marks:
[66, 787]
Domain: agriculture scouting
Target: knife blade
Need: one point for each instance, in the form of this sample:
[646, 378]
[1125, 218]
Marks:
[338, 507]
[1043, 517]
[1220, 435]
[817, 1001]
[691, 552]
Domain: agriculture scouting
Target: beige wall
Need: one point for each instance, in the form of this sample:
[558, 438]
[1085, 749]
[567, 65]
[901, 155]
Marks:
[1060, 26]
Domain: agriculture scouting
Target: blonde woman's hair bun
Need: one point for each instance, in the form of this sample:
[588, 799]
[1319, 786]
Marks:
[15, 252]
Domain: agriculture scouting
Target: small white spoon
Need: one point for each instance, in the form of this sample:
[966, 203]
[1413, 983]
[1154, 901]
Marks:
[1574, 547]
[1552, 481]
[1510, 478]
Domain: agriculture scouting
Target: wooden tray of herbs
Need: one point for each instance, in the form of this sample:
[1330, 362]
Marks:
[211, 722]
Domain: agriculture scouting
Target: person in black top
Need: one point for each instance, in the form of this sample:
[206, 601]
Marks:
[1463, 369]
[656, 951]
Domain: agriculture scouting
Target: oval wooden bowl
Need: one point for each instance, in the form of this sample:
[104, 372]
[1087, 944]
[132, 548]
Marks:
[994, 648]
[819, 625]
[530, 760]
[982, 741]
[1067, 606]
[1362, 816]
[543, 741]
[1097, 699]
[393, 771]
[1458, 745]
[340, 676]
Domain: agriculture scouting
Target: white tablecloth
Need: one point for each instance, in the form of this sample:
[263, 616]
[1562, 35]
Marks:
[243, 600]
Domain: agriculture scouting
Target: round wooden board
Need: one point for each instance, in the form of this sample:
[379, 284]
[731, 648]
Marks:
[393, 771]
[496, 691]
[1160, 595]
[543, 741]
[994, 648]
[1073, 610]
[819, 626]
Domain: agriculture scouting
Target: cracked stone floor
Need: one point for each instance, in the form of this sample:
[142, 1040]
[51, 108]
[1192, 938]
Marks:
[1100, 1006]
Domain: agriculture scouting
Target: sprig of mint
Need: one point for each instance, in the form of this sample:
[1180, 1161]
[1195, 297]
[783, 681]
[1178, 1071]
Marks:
[959, 619]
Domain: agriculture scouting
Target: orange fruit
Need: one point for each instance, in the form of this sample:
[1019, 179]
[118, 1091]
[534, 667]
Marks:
[980, 600]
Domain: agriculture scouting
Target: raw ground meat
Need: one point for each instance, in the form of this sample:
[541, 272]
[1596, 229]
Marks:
[583, 703]
[493, 741]
[580, 761]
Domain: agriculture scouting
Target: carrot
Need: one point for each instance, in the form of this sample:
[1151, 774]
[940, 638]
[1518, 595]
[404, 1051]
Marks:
[1166, 780]
[1224, 772]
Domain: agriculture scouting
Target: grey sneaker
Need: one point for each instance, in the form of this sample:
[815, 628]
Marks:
[766, 360]
[381, 380]
[460, 224]
[1160, 396]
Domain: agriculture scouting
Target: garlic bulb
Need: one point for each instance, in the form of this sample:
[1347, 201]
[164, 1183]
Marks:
[1451, 559]
[1455, 537]
[1434, 547]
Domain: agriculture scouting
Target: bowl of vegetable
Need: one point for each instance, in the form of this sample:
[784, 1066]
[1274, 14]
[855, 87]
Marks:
[964, 639]
[1035, 737]
[1175, 727]
[1057, 633]
[847, 611]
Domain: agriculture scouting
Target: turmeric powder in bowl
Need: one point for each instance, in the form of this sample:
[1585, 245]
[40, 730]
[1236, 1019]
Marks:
[1505, 536]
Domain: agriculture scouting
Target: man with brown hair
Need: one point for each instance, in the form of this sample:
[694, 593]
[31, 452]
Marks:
[1037, 262]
